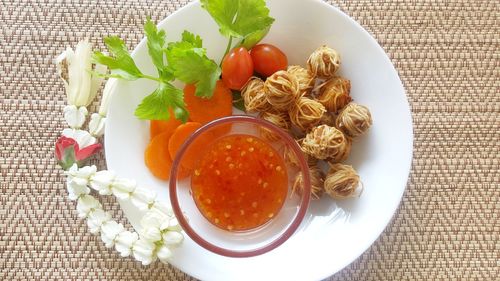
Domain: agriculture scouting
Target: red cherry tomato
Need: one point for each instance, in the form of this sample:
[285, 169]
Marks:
[237, 68]
[267, 59]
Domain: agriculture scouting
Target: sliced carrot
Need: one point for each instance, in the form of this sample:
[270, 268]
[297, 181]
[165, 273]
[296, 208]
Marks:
[192, 154]
[159, 126]
[180, 136]
[204, 110]
[157, 156]
[158, 160]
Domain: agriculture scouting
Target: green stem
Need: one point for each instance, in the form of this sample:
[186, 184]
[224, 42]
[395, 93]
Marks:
[228, 48]
[151, 77]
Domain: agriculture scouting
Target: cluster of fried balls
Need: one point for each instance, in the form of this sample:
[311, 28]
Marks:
[314, 105]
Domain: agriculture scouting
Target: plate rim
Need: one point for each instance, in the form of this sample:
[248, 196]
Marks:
[407, 110]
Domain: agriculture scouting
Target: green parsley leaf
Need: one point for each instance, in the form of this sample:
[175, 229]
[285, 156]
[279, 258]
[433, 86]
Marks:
[119, 62]
[239, 18]
[253, 38]
[156, 106]
[194, 40]
[190, 67]
[190, 64]
[156, 44]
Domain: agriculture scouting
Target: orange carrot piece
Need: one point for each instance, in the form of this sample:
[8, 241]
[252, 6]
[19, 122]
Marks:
[204, 110]
[159, 126]
[180, 136]
[157, 156]
[191, 155]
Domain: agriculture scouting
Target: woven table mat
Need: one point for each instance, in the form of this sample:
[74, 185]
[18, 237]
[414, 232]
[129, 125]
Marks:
[446, 52]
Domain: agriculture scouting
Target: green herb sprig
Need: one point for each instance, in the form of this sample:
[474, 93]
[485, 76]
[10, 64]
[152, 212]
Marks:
[186, 59]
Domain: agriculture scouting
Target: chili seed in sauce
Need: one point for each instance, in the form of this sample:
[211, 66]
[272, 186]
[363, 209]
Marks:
[244, 171]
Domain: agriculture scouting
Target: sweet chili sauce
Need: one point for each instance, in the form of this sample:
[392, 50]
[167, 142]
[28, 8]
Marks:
[240, 183]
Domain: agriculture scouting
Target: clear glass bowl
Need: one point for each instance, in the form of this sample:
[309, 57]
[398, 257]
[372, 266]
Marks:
[251, 242]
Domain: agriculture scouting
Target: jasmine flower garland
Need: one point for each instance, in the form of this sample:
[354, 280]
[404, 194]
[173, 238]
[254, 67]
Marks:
[160, 230]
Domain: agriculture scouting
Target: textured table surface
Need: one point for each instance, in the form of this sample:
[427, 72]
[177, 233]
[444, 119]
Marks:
[446, 52]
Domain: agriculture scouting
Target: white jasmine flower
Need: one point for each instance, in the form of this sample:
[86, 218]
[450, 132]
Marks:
[143, 251]
[109, 88]
[96, 219]
[75, 117]
[173, 224]
[152, 234]
[164, 254]
[75, 189]
[155, 219]
[96, 125]
[102, 182]
[172, 238]
[80, 181]
[143, 198]
[109, 232]
[166, 221]
[81, 175]
[74, 68]
[87, 204]
[153, 223]
[125, 241]
[86, 171]
[162, 208]
[83, 138]
[123, 188]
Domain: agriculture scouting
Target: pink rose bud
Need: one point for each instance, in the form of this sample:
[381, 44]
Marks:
[62, 144]
[68, 152]
[88, 151]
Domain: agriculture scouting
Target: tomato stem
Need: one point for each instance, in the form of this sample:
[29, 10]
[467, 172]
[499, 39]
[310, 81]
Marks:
[228, 48]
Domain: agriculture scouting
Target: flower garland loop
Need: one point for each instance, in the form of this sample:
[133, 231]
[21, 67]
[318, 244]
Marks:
[160, 231]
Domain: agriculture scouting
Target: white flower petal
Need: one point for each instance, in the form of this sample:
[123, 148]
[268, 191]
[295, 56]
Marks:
[143, 198]
[108, 91]
[96, 219]
[79, 72]
[80, 181]
[109, 232]
[96, 81]
[75, 117]
[125, 241]
[61, 64]
[75, 189]
[81, 175]
[96, 125]
[174, 225]
[162, 208]
[102, 182]
[83, 138]
[153, 219]
[143, 251]
[87, 204]
[72, 170]
[172, 238]
[164, 254]
[79, 75]
[152, 234]
[87, 171]
[74, 67]
[123, 188]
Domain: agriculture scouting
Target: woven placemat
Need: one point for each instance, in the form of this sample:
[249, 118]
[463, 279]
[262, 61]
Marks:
[446, 52]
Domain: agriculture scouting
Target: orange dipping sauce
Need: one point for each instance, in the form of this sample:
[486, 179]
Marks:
[240, 182]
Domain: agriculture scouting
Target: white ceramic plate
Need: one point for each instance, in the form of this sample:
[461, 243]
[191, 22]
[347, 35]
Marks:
[332, 235]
